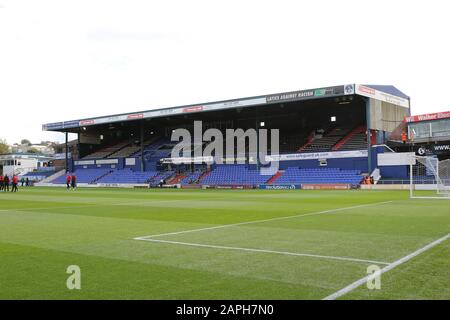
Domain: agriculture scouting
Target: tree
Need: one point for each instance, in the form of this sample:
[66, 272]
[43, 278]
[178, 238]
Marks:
[25, 141]
[33, 150]
[4, 147]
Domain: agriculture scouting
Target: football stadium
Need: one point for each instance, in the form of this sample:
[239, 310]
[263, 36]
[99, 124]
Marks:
[349, 200]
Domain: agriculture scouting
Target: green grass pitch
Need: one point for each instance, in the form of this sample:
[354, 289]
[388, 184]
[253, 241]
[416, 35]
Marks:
[327, 243]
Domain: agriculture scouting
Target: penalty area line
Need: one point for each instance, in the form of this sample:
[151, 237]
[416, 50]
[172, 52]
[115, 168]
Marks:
[389, 267]
[286, 253]
[330, 211]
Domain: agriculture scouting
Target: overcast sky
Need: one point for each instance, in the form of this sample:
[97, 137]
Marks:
[65, 60]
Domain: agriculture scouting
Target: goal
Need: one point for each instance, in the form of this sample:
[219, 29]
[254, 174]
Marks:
[429, 174]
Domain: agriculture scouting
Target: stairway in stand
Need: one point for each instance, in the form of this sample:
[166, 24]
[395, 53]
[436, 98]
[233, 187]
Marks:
[177, 179]
[203, 176]
[275, 177]
[358, 130]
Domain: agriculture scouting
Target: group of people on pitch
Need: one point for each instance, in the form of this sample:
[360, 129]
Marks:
[5, 181]
[368, 180]
[71, 181]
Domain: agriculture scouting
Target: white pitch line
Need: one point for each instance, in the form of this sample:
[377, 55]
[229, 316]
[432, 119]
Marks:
[266, 251]
[41, 208]
[264, 220]
[391, 266]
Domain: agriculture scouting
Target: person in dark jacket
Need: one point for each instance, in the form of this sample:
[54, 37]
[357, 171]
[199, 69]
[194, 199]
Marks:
[6, 183]
[74, 182]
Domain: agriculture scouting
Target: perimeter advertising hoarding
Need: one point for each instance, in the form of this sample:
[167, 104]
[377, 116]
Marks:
[279, 187]
[318, 155]
[234, 187]
[62, 156]
[434, 149]
[382, 96]
[326, 186]
[428, 117]
[310, 94]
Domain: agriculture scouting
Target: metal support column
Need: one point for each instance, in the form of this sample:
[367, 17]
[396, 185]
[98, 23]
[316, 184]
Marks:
[369, 138]
[142, 146]
[67, 151]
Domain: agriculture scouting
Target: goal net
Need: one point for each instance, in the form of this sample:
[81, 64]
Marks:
[430, 178]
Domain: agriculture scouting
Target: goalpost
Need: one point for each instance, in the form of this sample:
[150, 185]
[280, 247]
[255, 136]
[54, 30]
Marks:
[428, 173]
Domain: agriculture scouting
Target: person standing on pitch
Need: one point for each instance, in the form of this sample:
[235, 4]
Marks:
[1, 182]
[6, 183]
[74, 182]
[15, 180]
[68, 179]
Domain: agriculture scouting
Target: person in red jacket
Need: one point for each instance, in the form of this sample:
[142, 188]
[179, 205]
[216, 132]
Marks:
[15, 180]
[1, 182]
[74, 182]
[68, 179]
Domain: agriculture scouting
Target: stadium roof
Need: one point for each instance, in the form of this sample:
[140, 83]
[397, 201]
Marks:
[388, 89]
[25, 155]
[385, 93]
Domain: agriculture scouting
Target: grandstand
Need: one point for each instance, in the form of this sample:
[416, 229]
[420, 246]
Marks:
[107, 151]
[354, 140]
[234, 174]
[127, 176]
[192, 178]
[38, 174]
[88, 176]
[326, 136]
[325, 141]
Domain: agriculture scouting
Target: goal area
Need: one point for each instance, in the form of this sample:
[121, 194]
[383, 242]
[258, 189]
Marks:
[429, 178]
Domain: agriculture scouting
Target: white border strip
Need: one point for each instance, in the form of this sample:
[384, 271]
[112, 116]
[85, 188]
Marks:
[264, 220]
[266, 251]
[391, 266]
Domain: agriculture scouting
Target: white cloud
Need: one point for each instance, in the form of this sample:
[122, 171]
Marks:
[64, 60]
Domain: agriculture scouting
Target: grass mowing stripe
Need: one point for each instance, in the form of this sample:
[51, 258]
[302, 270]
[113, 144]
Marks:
[266, 251]
[89, 205]
[42, 208]
[263, 220]
[389, 267]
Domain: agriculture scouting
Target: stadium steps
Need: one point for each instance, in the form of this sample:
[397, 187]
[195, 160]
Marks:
[348, 137]
[204, 175]
[111, 155]
[100, 177]
[53, 176]
[131, 149]
[328, 139]
[311, 137]
[177, 179]
[275, 177]
[308, 143]
[106, 151]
